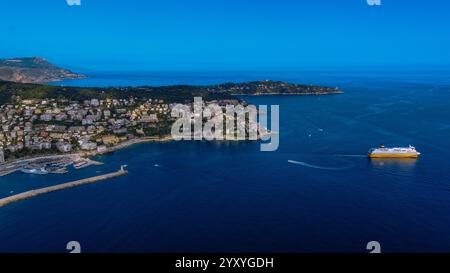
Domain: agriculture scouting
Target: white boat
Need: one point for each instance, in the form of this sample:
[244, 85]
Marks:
[396, 152]
[29, 170]
[81, 164]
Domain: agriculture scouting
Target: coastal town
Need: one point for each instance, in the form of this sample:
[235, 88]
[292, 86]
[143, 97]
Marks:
[41, 136]
[43, 128]
[64, 126]
[31, 127]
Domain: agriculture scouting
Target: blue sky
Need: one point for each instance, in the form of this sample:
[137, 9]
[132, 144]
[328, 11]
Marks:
[227, 34]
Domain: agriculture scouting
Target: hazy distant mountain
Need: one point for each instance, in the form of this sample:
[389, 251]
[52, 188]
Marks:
[33, 70]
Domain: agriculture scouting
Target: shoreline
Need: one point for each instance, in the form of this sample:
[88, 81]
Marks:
[126, 144]
[82, 154]
[291, 94]
[87, 154]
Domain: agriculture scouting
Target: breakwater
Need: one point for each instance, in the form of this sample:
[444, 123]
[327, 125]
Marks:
[32, 193]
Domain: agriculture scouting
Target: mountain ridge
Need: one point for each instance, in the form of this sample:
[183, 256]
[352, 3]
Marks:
[34, 70]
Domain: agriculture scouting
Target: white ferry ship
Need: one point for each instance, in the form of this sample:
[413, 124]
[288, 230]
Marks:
[396, 152]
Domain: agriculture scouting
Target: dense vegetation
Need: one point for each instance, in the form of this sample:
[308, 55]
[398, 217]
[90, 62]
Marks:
[179, 93]
[9, 91]
[272, 87]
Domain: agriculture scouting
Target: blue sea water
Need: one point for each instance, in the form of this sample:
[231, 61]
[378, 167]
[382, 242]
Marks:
[227, 197]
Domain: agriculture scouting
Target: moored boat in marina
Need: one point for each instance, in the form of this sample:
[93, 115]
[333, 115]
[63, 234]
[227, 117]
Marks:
[32, 170]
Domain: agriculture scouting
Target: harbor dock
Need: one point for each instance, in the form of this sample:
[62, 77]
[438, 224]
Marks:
[32, 193]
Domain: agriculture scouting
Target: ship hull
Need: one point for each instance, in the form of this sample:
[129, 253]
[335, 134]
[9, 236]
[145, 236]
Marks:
[394, 155]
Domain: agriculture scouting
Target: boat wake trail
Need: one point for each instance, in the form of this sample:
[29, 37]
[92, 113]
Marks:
[304, 164]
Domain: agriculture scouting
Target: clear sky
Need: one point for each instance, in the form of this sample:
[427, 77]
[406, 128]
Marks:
[227, 34]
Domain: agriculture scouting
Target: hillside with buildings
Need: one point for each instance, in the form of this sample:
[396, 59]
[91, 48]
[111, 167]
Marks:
[41, 119]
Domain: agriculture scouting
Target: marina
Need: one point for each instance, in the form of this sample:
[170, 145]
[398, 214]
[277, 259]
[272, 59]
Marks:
[57, 164]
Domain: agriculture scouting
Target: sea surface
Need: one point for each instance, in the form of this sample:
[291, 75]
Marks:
[317, 193]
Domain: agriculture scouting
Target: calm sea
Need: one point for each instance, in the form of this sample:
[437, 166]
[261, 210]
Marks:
[226, 197]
